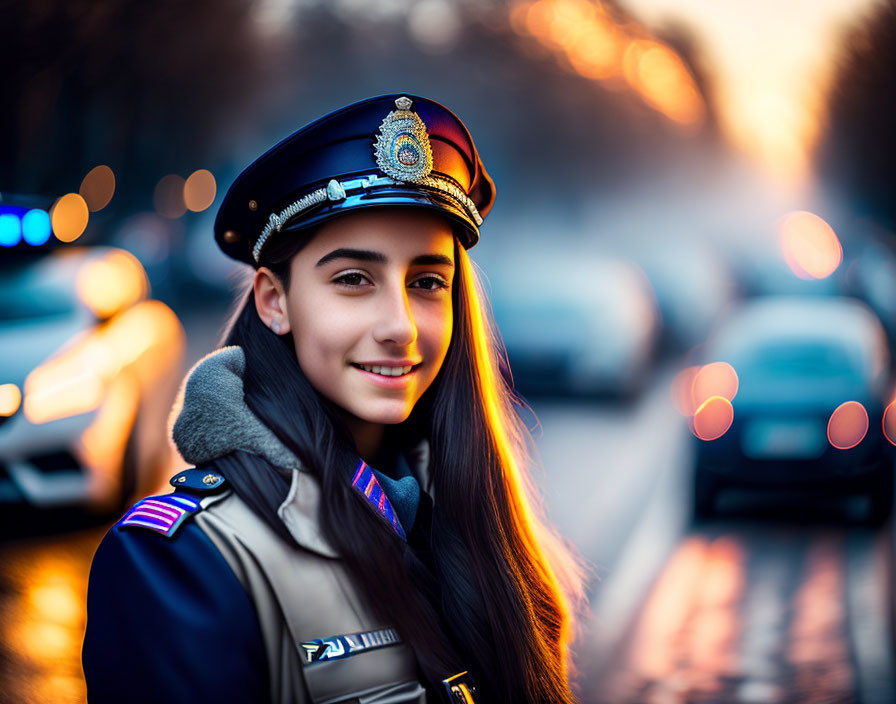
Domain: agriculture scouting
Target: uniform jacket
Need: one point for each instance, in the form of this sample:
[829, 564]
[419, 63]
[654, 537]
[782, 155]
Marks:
[225, 610]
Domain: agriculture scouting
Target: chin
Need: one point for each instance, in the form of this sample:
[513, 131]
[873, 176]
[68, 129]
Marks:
[385, 415]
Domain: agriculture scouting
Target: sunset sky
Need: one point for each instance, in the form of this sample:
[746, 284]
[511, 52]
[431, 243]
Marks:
[771, 61]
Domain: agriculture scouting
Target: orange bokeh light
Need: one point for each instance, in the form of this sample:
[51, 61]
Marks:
[112, 283]
[666, 85]
[98, 187]
[10, 399]
[199, 190]
[848, 425]
[713, 418]
[69, 217]
[168, 196]
[809, 245]
[889, 423]
[587, 38]
[716, 379]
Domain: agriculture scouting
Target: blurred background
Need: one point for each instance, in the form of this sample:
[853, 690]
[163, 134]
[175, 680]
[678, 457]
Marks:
[692, 261]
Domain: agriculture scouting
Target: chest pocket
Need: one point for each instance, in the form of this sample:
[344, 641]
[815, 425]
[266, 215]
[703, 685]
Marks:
[381, 675]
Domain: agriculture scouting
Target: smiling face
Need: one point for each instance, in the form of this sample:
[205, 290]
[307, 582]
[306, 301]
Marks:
[369, 307]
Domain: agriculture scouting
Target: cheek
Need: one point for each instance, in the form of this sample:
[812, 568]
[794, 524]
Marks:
[322, 334]
[434, 331]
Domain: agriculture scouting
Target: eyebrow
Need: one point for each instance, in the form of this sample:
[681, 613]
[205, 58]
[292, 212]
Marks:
[366, 255]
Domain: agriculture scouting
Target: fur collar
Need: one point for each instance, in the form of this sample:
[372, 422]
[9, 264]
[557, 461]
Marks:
[214, 421]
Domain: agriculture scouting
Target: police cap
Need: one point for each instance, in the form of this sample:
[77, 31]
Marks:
[392, 150]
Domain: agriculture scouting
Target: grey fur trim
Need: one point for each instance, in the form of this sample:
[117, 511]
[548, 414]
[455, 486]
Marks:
[215, 419]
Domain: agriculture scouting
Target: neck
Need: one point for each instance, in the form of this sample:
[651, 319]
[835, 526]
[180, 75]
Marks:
[368, 438]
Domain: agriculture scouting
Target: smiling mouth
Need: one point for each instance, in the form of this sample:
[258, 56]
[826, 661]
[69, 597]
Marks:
[386, 371]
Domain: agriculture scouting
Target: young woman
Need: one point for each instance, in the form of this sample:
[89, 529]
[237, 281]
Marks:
[359, 526]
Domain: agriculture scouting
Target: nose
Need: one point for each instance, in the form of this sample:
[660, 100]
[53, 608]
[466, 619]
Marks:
[395, 319]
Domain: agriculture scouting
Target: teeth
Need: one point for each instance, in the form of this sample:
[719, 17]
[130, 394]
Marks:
[386, 371]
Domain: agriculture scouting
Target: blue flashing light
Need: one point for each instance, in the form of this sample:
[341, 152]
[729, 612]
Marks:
[36, 229]
[10, 230]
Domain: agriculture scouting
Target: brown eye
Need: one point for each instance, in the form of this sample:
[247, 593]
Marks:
[430, 283]
[352, 278]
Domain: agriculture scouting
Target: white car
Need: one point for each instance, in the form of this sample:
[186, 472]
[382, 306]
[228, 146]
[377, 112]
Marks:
[88, 370]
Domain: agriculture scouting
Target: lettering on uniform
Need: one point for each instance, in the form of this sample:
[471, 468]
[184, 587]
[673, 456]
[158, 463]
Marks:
[337, 647]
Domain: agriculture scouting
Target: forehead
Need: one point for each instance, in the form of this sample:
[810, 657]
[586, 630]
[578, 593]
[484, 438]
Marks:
[397, 233]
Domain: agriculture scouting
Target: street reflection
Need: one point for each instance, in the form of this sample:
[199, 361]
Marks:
[817, 651]
[734, 617]
[683, 642]
[42, 616]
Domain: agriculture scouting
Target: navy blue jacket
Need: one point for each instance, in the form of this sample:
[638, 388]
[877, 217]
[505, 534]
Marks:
[168, 621]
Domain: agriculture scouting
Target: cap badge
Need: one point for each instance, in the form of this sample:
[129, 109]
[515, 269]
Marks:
[402, 148]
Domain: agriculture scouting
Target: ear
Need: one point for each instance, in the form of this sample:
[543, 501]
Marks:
[270, 300]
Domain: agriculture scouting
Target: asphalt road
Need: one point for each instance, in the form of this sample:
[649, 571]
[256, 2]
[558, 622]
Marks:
[780, 599]
[776, 601]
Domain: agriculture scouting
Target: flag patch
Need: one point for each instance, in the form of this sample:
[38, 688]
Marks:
[163, 514]
[365, 482]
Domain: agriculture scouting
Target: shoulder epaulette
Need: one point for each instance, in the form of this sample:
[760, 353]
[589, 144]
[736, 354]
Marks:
[168, 512]
[200, 481]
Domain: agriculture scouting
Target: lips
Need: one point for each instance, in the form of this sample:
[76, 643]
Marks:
[385, 370]
[391, 375]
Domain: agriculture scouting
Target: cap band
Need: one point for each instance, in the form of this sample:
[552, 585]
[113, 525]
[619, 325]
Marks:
[337, 190]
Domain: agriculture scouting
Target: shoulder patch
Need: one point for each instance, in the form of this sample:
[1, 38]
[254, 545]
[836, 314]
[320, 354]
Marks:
[201, 481]
[163, 514]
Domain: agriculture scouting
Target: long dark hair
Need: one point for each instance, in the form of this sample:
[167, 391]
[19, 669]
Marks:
[499, 603]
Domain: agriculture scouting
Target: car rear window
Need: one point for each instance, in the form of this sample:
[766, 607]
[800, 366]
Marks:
[802, 360]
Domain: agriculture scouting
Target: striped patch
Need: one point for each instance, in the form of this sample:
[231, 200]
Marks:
[163, 514]
[365, 482]
[337, 647]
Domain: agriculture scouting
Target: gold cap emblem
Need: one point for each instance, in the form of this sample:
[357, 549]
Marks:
[210, 479]
[402, 147]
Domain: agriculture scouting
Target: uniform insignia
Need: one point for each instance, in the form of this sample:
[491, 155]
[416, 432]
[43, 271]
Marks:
[198, 480]
[338, 647]
[365, 482]
[402, 147]
[163, 514]
[460, 688]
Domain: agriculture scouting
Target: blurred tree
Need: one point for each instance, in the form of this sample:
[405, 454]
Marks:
[143, 87]
[858, 153]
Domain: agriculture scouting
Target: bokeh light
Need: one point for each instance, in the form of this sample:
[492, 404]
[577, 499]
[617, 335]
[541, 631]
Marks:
[848, 425]
[112, 283]
[10, 399]
[98, 187]
[10, 230]
[716, 379]
[713, 418]
[809, 245]
[69, 217]
[199, 190]
[665, 84]
[36, 227]
[889, 422]
[589, 40]
[168, 197]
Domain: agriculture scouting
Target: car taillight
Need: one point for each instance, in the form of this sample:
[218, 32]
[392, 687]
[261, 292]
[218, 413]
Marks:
[848, 425]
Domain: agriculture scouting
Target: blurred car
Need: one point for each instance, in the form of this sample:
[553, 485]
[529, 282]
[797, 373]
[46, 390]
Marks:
[798, 359]
[692, 284]
[88, 371]
[580, 324]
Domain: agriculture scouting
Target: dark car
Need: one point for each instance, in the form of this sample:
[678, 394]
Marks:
[813, 384]
[585, 325]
